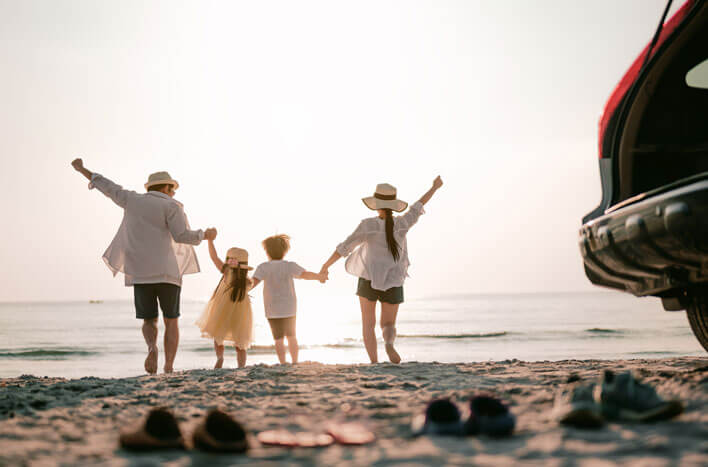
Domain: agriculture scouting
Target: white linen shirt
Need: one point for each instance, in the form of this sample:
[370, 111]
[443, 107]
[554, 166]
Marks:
[153, 243]
[279, 298]
[372, 259]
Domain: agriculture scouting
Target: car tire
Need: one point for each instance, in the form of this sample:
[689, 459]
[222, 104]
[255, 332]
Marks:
[697, 313]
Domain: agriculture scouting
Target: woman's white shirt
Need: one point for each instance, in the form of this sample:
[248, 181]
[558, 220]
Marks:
[368, 253]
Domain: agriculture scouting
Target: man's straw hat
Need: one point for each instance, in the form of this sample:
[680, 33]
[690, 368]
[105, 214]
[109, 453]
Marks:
[237, 258]
[385, 198]
[159, 178]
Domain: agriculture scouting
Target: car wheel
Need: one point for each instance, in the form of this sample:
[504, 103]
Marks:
[697, 313]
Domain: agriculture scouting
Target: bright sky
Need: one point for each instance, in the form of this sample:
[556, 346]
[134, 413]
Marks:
[281, 116]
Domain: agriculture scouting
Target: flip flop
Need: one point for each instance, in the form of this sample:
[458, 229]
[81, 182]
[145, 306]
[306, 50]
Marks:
[350, 433]
[218, 432]
[160, 430]
[442, 417]
[303, 439]
[489, 416]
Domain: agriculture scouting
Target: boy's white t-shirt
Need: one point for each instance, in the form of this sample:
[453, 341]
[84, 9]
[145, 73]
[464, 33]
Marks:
[279, 298]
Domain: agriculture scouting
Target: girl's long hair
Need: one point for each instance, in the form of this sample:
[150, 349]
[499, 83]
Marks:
[390, 239]
[238, 282]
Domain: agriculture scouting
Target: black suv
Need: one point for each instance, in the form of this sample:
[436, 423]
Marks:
[649, 236]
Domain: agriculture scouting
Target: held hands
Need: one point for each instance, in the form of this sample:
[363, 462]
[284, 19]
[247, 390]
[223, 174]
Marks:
[437, 183]
[210, 234]
[323, 276]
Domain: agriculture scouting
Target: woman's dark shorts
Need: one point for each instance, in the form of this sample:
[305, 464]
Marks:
[394, 295]
[281, 327]
[147, 295]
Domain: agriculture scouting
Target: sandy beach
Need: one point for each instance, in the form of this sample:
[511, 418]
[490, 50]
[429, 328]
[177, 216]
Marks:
[60, 421]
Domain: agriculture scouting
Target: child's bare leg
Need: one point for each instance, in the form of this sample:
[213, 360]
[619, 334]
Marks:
[388, 326]
[280, 349]
[241, 357]
[219, 349]
[292, 346]
[368, 325]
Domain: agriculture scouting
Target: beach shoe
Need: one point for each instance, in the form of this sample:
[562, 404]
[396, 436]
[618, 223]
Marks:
[625, 398]
[575, 406]
[303, 439]
[441, 417]
[489, 416]
[350, 433]
[218, 432]
[159, 431]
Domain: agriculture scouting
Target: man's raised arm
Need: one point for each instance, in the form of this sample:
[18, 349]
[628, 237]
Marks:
[78, 164]
[113, 191]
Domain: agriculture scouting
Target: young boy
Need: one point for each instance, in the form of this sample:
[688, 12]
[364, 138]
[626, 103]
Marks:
[279, 298]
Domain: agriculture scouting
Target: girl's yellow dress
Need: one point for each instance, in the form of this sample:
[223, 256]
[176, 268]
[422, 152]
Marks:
[227, 321]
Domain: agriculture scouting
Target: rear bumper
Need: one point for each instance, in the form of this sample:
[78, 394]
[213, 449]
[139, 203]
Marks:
[654, 246]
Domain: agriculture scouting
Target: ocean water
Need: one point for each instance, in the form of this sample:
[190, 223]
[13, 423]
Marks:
[75, 339]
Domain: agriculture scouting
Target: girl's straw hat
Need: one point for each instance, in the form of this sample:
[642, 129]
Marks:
[385, 198]
[237, 258]
[159, 178]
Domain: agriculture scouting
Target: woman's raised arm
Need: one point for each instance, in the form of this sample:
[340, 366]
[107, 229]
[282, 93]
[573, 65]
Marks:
[437, 183]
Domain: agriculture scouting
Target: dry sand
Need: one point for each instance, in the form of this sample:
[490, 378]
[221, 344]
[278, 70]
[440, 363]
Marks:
[76, 422]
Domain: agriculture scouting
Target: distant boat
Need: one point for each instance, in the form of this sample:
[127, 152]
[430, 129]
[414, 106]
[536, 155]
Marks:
[95, 301]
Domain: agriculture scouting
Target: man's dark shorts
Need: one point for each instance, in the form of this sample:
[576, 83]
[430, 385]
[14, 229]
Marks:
[394, 295]
[147, 295]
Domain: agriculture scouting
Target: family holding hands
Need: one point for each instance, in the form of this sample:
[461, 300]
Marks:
[153, 248]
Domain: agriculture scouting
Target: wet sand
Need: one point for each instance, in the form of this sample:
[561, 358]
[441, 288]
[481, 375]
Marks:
[58, 421]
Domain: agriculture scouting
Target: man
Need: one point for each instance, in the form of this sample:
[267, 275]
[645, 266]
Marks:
[152, 248]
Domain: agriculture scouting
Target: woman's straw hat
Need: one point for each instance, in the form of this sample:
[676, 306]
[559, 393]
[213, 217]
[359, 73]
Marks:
[237, 258]
[160, 178]
[385, 198]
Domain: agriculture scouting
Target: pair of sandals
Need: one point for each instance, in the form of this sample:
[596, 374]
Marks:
[486, 416]
[217, 432]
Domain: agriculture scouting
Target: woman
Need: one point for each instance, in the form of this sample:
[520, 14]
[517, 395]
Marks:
[379, 258]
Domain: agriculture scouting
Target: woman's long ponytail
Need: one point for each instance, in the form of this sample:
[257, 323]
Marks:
[390, 239]
[238, 282]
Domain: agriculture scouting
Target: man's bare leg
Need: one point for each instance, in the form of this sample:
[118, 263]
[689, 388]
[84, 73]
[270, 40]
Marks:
[150, 335]
[171, 342]
[241, 357]
[388, 326]
[219, 349]
[292, 346]
[368, 325]
[280, 350]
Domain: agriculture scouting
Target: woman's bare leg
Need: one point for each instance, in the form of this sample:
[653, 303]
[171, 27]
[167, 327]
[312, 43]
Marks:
[368, 326]
[219, 349]
[241, 357]
[388, 326]
[292, 346]
[280, 350]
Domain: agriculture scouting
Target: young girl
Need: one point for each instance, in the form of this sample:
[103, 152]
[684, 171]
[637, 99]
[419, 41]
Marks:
[228, 316]
[381, 262]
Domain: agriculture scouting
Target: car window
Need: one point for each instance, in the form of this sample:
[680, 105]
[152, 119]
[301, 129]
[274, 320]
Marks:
[697, 77]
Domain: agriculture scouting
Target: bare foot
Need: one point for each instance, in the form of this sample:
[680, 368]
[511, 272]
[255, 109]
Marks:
[392, 354]
[151, 360]
[169, 370]
[219, 362]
